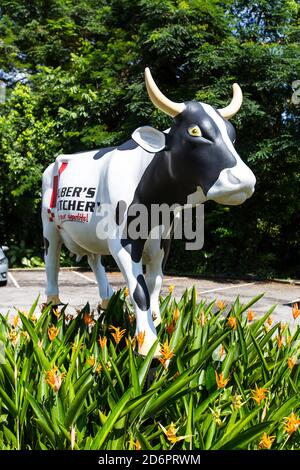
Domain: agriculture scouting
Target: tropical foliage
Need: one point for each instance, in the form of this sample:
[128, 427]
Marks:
[225, 379]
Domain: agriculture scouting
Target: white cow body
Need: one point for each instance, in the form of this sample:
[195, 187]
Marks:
[115, 176]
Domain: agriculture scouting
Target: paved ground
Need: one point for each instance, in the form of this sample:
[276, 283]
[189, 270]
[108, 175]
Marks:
[78, 287]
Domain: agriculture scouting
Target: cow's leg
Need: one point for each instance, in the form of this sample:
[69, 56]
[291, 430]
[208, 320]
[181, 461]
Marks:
[154, 277]
[52, 243]
[139, 295]
[105, 290]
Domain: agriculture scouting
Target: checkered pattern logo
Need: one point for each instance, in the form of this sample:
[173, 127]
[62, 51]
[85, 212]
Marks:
[51, 215]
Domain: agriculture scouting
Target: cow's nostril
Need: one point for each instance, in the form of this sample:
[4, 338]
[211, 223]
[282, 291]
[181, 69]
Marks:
[233, 179]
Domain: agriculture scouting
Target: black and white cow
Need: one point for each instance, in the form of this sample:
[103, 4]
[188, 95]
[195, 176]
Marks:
[194, 161]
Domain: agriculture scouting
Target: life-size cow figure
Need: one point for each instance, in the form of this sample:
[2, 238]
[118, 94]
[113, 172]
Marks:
[194, 161]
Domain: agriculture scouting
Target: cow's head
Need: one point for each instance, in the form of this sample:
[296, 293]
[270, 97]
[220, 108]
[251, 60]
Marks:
[201, 147]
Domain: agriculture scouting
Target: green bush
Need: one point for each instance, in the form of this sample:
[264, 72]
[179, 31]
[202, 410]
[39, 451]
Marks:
[225, 380]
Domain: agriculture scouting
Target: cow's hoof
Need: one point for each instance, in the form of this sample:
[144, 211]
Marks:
[104, 303]
[54, 300]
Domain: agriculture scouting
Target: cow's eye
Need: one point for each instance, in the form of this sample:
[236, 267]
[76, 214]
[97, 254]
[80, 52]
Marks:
[194, 131]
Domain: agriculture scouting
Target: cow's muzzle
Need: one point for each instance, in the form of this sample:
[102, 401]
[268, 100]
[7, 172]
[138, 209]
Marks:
[233, 186]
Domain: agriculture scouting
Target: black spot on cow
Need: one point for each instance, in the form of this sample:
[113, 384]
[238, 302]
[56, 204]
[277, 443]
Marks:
[102, 152]
[129, 145]
[46, 245]
[165, 244]
[120, 212]
[141, 294]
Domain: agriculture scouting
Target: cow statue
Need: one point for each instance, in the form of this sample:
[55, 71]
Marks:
[192, 162]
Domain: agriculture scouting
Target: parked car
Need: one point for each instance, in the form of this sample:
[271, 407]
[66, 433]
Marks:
[3, 266]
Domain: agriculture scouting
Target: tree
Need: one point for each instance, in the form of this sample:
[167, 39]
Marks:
[82, 65]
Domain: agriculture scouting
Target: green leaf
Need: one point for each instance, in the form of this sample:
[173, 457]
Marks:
[78, 403]
[144, 368]
[242, 343]
[157, 402]
[41, 357]
[239, 426]
[43, 420]
[285, 409]
[261, 356]
[198, 412]
[34, 305]
[8, 402]
[104, 431]
[255, 326]
[246, 437]
[144, 443]
[134, 374]
[250, 303]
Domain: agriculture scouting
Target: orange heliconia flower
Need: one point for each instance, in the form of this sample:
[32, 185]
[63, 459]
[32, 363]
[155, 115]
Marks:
[166, 354]
[220, 304]
[170, 328]
[266, 441]
[291, 362]
[24, 312]
[171, 432]
[259, 394]
[221, 381]
[131, 318]
[126, 292]
[270, 321]
[131, 341]
[15, 321]
[176, 314]
[202, 319]
[54, 379]
[250, 315]
[118, 333]
[222, 352]
[141, 338]
[137, 445]
[171, 288]
[25, 335]
[88, 319]
[295, 311]
[13, 337]
[237, 402]
[292, 424]
[56, 312]
[279, 340]
[102, 341]
[91, 361]
[52, 332]
[232, 322]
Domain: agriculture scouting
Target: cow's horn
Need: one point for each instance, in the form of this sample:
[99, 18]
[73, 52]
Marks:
[235, 104]
[158, 99]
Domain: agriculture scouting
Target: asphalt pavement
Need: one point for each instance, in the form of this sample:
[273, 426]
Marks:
[78, 287]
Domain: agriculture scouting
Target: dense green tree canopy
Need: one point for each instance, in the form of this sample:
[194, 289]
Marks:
[74, 75]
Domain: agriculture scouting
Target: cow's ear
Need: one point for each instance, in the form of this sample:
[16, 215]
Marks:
[149, 139]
